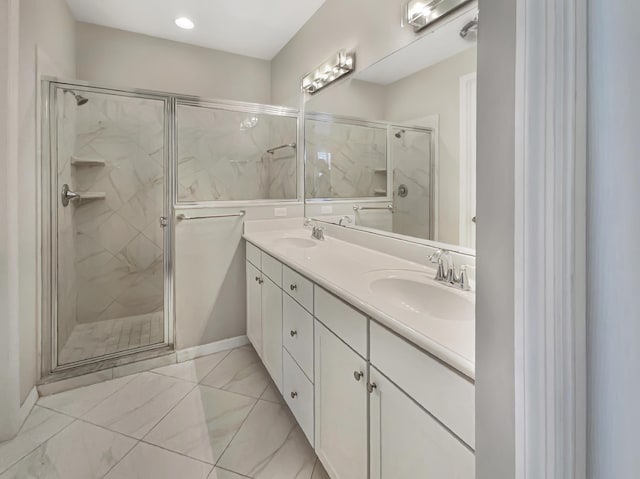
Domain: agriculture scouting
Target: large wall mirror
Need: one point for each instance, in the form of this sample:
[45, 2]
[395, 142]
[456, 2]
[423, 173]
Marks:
[392, 147]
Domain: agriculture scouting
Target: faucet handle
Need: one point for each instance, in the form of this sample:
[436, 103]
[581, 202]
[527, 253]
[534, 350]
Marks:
[464, 278]
[436, 256]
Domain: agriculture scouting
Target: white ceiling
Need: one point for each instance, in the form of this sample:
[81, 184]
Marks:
[256, 28]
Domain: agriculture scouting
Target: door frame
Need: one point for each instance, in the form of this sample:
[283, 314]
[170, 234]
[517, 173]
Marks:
[550, 239]
[467, 157]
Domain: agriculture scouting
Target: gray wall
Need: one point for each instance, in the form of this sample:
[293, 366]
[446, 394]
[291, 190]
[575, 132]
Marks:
[613, 229]
[115, 57]
[47, 46]
[495, 389]
[9, 315]
[372, 27]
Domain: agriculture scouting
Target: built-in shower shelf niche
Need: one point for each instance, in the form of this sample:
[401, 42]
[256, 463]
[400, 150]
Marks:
[78, 161]
[92, 195]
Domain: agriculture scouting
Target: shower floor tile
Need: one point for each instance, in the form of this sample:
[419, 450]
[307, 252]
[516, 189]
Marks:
[90, 340]
[163, 424]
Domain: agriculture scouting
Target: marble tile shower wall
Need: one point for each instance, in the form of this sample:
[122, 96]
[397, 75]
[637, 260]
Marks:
[412, 167]
[67, 290]
[119, 241]
[345, 161]
[222, 155]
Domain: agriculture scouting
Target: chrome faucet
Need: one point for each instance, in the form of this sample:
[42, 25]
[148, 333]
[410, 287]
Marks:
[318, 233]
[449, 275]
[346, 218]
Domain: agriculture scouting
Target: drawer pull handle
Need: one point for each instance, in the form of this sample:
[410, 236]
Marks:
[371, 387]
[358, 375]
[294, 395]
[293, 333]
[293, 287]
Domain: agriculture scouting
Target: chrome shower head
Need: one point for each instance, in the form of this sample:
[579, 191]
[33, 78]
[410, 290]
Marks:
[399, 133]
[80, 100]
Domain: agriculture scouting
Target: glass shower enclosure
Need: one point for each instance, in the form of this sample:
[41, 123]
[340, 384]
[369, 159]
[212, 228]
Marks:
[107, 239]
[116, 165]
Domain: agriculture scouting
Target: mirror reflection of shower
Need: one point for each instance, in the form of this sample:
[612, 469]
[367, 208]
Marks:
[80, 100]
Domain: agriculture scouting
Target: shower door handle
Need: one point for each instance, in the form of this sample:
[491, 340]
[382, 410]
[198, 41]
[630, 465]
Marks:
[67, 195]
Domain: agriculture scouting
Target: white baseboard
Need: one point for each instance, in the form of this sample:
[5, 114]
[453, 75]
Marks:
[28, 404]
[215, 347]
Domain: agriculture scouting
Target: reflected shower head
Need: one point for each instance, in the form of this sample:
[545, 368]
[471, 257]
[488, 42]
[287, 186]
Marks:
[80, 100]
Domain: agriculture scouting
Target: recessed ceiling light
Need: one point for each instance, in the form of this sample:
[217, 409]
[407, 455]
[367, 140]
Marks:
[184, 22]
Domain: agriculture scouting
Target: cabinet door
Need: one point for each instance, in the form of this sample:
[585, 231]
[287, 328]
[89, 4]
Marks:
[341, 407]
[406, 442]
[254, 307]
[272, 330]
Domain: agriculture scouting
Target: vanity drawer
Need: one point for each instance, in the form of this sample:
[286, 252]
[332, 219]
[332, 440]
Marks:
[298, 287]
[347, 323]
[298, 393]
[446, 394]
[253, 255]
[272, 268]
[297, 334]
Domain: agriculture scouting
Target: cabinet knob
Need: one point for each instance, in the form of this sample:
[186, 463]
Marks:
[294, 394]
[371, 387]
[258, 279]
[358, 375]
[293, 287]
[293, 333]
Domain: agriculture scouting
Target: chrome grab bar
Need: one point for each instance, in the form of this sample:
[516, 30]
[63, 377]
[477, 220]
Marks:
[182, 216]
[360, 208]
[288, 145]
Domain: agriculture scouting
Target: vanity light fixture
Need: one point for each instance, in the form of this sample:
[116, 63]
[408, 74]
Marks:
[420, 13]
[338, 66]
[185, 23]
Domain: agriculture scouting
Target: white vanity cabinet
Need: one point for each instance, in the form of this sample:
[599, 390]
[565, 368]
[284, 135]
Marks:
[254, 307]
[272, 330]
[371, 403]
[341, 406]
[407, 442]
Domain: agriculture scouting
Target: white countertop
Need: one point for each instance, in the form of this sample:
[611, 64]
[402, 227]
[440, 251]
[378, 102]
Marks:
[342, 268]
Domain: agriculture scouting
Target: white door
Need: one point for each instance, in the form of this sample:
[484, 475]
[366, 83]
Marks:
[254, 307]
[272, 329]
[341, 407]
[407, 443]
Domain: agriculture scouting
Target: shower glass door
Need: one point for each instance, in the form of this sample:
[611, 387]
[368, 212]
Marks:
[109, 201]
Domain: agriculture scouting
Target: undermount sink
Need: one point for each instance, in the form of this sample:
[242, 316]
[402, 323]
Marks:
[290, 242]
[416, 292]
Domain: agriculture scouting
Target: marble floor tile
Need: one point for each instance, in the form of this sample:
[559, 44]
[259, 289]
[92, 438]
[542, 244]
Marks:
[77, 402]
[138, 406]
[219, 473]
[194, 370]
[81, 451]
[241, 372]
[270, 445]
[272, 394]
[203, 424]
[151, 462]
[41, 425]
[319, 472]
